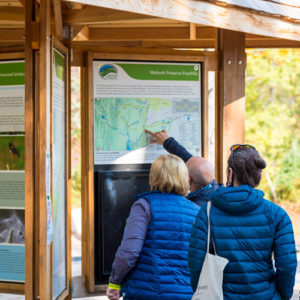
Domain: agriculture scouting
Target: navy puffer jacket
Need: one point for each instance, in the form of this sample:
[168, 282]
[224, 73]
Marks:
[247, 230]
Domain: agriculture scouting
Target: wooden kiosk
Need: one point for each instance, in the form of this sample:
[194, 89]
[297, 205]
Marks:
[51, 36]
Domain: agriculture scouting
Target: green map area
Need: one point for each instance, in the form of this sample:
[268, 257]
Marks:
[120, 123]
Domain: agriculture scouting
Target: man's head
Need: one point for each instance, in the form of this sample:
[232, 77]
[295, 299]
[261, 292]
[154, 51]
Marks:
[201, 172]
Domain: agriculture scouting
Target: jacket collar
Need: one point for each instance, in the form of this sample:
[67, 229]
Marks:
[199, 192]
[240, 199]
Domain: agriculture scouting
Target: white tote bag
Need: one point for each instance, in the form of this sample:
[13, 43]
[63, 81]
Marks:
[211, 277]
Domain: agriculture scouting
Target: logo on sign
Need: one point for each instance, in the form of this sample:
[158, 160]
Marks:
[108, 71]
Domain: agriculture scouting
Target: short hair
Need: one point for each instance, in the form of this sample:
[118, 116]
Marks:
[246, 165]
[169, 174]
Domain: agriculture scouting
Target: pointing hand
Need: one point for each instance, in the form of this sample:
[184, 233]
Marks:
[158, 137]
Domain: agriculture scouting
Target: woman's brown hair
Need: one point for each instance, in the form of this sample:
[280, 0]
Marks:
[246, 164]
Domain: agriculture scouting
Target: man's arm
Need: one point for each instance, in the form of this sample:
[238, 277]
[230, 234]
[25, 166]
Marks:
[170, 144]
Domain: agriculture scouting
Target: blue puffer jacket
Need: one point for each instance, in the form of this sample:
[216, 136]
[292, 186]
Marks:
[201, 196]
[161, 272]
[246, 230]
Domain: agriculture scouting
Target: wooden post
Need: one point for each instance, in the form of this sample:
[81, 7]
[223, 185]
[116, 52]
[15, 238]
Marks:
[230, 104]
[29, 155]
[69, 174]
[84, 141]
[43, 143]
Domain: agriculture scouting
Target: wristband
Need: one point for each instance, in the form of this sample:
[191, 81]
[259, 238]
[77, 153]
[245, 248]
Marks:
[114, 286]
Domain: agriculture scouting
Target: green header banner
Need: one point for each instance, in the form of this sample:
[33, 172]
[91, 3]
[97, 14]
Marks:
[162, 72]
[12, 73]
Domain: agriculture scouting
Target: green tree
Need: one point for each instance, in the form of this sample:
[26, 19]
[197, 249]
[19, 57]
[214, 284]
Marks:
[273, 115]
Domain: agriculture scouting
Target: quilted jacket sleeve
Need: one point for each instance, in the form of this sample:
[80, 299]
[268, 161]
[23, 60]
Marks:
[285, 255]
[173, 147]
[197, 247]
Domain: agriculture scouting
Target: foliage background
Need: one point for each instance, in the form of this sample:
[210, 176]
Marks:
[273, 119]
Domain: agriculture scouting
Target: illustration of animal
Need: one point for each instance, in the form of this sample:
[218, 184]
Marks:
[12, 227]
[13, 151]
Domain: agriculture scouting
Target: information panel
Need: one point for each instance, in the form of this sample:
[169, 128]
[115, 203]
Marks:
[12, 95]
[130, 97]
[58, 173]
[12, 174]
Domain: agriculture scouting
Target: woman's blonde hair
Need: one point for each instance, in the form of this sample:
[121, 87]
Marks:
[169, 174]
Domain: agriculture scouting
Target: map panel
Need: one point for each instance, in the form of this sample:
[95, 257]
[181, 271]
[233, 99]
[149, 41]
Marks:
[120, 123]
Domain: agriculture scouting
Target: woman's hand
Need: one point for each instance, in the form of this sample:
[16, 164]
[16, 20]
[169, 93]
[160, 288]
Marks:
[113, 294]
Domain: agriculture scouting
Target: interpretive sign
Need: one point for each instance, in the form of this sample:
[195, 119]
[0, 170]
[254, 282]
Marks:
[58, 173]
[12, 95]
[12, 174]
[130, 97]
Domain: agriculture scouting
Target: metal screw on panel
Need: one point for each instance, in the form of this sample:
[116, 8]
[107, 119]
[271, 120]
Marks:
[240, 62]
[229, 62]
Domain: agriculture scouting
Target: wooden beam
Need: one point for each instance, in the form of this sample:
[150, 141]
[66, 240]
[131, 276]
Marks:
[58, 18]
[12, 35]
[12, 3]
[12, 14]
[193, 31]
[16, 47]
[205, 39]
[83, 34]
[155, 34]
[205, 13]
[79, 52]
[230, 104]
[12, 288]
[76, 5]
[202, 44]
[154, 22]
[96, 15]
[256, 41]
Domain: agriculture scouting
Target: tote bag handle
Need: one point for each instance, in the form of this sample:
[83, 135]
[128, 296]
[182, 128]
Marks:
[208, 229]
[210, 283]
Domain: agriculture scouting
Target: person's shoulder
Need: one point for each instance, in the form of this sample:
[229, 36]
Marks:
[216, 185]
[277, 212]
[190, 203]
[141, 202]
